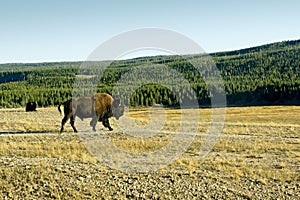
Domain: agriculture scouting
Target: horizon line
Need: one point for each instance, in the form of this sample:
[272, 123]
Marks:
[214, 52]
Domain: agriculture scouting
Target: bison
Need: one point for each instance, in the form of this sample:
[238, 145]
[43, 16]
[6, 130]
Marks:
[99, 107]
[30, 106]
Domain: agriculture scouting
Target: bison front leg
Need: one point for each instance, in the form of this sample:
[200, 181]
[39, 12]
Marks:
[106, 124]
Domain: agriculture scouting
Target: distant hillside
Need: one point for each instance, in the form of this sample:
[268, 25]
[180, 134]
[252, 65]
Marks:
[263, 75]
[267, 47]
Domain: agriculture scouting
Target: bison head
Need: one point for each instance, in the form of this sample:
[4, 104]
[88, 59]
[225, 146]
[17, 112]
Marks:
[117, 108]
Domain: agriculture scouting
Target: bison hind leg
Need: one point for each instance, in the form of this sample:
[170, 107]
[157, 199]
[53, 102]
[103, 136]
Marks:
[93, 124]
[63, 122]
[72, 122]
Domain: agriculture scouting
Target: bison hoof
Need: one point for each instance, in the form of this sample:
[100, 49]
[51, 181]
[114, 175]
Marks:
[110, 128]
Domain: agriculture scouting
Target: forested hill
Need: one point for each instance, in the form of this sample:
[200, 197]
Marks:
[263, 75]
[277, 46]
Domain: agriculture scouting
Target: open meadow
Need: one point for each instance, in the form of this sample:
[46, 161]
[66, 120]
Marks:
[257, 156]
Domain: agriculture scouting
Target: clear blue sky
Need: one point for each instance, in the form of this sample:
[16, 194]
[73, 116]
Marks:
[67, 30]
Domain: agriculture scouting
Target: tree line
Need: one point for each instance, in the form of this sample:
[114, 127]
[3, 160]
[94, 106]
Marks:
[264, 75]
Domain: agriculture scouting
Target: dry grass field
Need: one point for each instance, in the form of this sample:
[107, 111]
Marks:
[256, 157]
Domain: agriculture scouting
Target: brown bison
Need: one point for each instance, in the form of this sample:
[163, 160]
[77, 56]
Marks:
[30, 106]
[99, 107]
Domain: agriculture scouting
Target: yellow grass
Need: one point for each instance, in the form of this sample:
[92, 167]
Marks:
[260, 143]
[17, 120]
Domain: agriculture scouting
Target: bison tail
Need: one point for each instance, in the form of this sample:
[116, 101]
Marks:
[59, 110]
